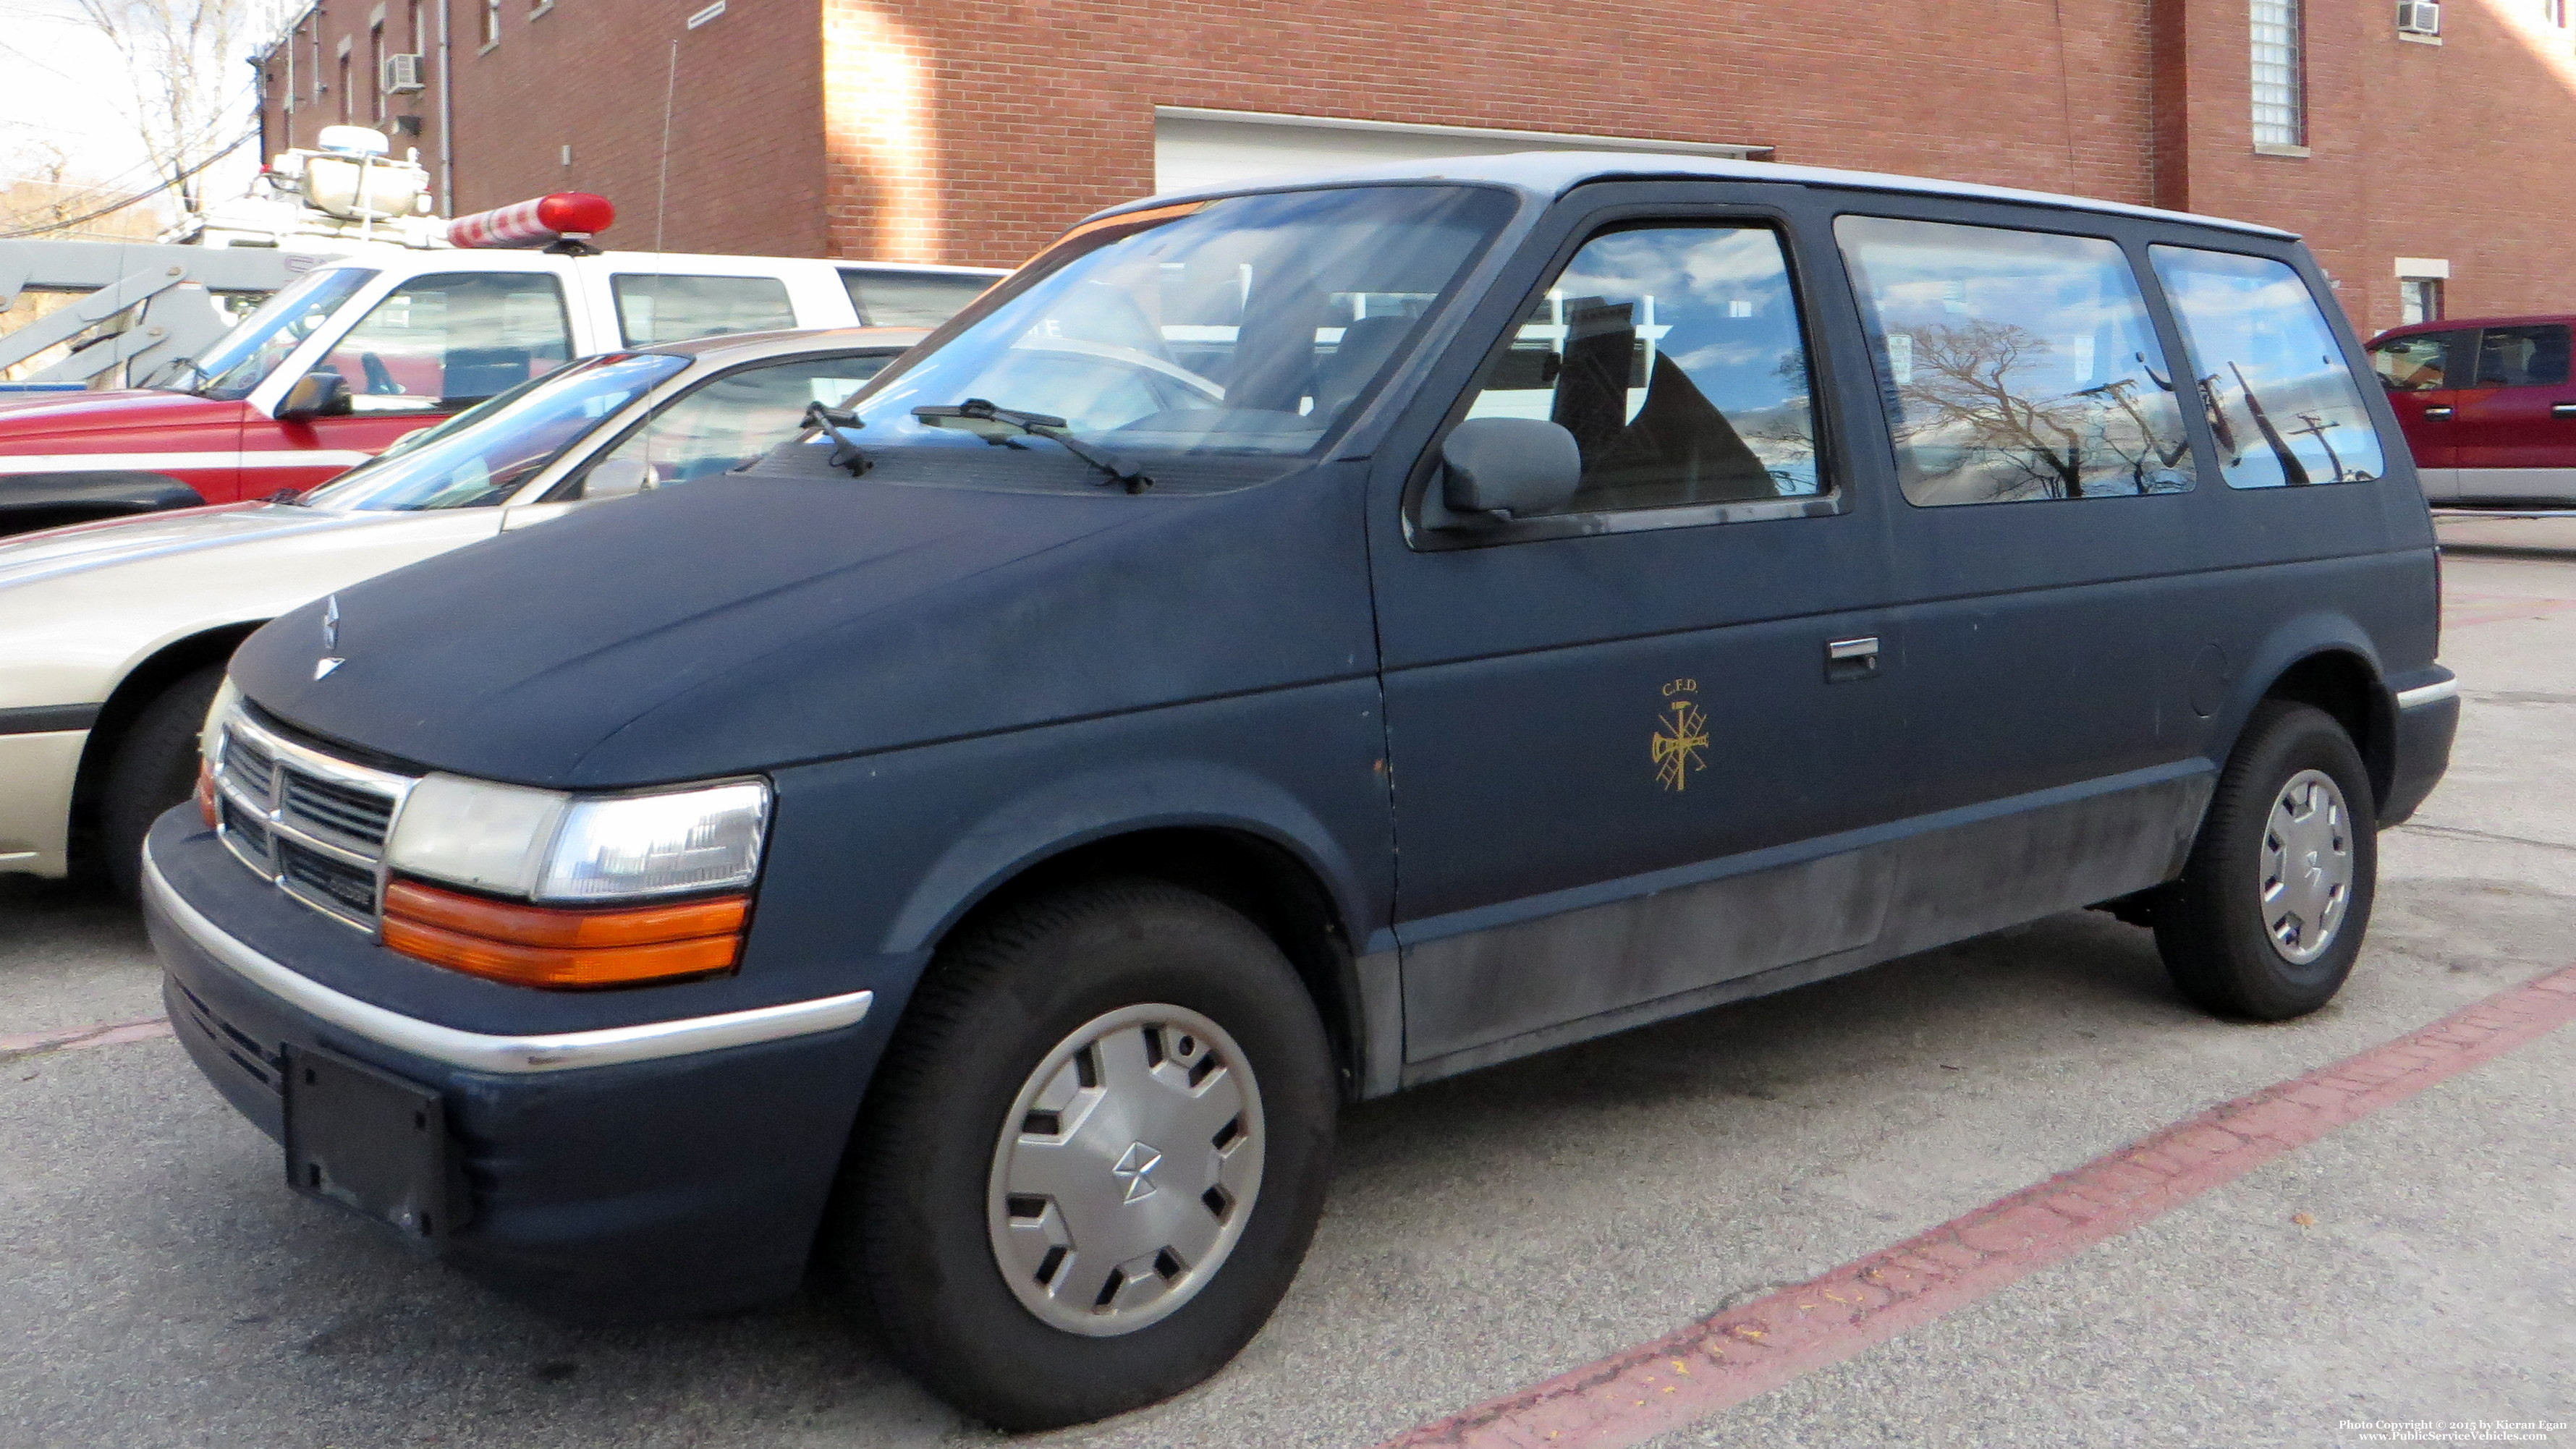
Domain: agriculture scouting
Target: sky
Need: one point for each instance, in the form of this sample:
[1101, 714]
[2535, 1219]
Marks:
[60, 85]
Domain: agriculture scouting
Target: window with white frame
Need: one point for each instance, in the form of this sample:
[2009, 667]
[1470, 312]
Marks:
[2280, 105]
[491, 22]
[2553, 12]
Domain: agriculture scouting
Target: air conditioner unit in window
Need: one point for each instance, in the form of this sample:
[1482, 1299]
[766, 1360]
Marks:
[402, 74]
[2419, 17]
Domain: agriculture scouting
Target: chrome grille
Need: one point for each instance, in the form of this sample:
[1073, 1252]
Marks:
[313, 824]
[355, 818]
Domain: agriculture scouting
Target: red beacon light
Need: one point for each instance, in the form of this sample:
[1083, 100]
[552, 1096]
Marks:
[564, 221]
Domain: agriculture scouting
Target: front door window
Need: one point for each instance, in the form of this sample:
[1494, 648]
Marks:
[1674, 356]
[439, 342]
[2420, 363]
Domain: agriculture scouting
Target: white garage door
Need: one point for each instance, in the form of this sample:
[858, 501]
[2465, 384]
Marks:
[1215, 148]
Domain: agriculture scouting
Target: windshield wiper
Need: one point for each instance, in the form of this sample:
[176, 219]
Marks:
[976, 409]
[845, 453]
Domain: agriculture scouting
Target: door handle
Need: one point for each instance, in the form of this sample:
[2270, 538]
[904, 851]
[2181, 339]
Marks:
[2562, 410]
[2437, 414]
[1851, 658]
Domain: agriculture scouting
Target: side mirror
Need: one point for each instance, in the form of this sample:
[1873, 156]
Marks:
[1513, 466]
[616, 478]
[315, 395]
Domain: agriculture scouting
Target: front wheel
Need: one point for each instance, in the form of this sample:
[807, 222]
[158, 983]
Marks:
[1093, 1158]
[2271, 910]
[154, 768]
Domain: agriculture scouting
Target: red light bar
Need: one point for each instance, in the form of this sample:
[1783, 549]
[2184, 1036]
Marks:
[565, 215]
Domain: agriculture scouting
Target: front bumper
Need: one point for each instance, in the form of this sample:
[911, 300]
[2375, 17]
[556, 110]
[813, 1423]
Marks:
[628, 1172]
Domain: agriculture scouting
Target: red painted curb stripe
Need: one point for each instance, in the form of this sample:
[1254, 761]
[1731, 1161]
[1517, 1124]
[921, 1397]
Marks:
[1720, 1362]
[111, 1033]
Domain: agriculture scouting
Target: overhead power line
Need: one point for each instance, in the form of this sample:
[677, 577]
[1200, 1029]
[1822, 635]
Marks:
[68, 223]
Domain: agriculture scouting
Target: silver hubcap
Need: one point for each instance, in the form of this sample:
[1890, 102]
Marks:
[1126, 1170]
[2307, 867]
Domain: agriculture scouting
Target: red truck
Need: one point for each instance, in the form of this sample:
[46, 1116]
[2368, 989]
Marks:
[2488, 407]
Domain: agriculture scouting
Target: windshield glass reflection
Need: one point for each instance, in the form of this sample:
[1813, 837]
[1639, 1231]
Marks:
[483, 454]
[1215, 343]
[259, 342]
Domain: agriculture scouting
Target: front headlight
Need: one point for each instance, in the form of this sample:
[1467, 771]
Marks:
[210, 736]
[589, 880]
[551, 846]
[210, 747]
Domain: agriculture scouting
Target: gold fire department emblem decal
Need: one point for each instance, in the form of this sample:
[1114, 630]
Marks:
[1681, 736]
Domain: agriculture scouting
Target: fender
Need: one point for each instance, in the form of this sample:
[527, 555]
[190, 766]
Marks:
[1064, 815]
[30, 501]
[2295, 640]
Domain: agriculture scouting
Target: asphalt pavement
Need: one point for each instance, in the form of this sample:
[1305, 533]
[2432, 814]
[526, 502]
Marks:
[162, 1287]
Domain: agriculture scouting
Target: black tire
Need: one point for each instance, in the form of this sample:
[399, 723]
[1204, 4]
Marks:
[155, 767]
[906, 1239]
[2211, 927]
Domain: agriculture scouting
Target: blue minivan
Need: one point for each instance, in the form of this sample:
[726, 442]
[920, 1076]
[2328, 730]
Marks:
[1284, 645]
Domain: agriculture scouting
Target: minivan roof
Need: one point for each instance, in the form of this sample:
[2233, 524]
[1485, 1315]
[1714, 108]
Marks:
[1553, 173]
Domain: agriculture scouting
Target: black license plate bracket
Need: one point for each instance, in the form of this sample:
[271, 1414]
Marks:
[366, 1139]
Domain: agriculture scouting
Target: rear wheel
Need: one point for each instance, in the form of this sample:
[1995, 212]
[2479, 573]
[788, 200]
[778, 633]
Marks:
[154, 768]
[2271, 910]
[1093, 1158]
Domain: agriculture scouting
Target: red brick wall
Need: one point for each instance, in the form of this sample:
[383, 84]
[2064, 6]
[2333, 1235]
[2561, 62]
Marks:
[746, 152]
[1043, 110]
[746, 146]
[282, 126]
[2462, 151]
[974, 130]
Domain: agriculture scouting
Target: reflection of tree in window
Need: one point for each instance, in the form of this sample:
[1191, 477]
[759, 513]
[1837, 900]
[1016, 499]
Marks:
[2019, 366]
[1971, 390]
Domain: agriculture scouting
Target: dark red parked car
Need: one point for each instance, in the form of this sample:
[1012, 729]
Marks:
[2487, 406]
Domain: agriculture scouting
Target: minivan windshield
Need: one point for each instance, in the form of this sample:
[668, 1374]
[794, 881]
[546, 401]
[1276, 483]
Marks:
[1212, 343]
[241, 358]
[482, 455]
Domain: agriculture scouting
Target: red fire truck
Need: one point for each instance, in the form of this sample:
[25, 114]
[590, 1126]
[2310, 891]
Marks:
[368, 346]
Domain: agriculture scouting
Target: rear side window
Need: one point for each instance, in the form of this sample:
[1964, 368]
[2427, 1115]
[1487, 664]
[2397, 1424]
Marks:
[2522, 357]
[2015, 366]
[1674, 356]
[452, 338]
[654, 308]
[2420, 362]
[910, 299]
[2283, 406]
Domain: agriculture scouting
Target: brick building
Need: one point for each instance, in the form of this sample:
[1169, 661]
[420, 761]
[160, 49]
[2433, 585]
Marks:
[2427, 170]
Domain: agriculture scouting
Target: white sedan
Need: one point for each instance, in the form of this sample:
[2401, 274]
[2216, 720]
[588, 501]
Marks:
[114, 635]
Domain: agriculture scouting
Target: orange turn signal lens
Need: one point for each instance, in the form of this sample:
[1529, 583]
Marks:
[206, 795]
[563, 948]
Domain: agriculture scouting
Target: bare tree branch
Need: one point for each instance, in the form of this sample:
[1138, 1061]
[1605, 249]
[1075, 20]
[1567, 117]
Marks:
[181, 60]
